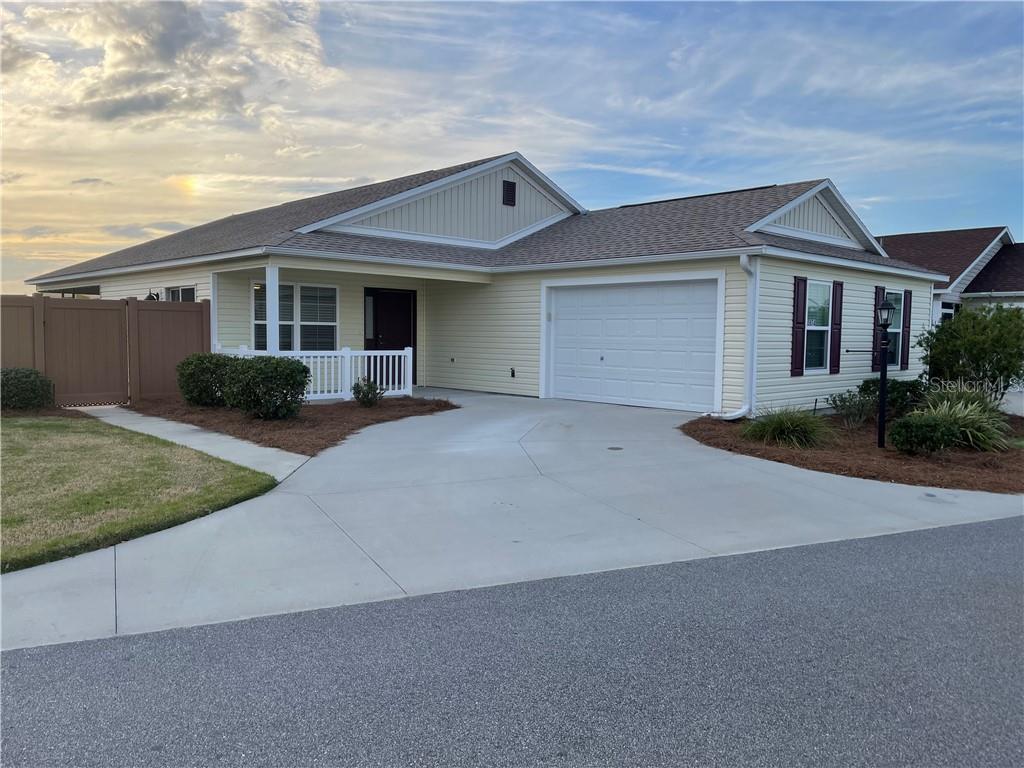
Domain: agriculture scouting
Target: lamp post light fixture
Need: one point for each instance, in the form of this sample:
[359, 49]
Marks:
[883, 315]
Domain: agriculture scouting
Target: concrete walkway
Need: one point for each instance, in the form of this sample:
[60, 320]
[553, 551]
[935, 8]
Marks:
[503, 490]
[273, 461]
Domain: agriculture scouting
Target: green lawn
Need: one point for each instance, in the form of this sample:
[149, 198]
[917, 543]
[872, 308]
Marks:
[71, 485]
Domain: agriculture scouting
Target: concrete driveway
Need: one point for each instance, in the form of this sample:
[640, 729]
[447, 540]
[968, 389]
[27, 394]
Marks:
[504, 489]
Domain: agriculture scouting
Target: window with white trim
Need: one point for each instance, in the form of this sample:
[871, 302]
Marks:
[949, 308]
[819, 325]
[317, 319]
[180, 293]
[896, 329]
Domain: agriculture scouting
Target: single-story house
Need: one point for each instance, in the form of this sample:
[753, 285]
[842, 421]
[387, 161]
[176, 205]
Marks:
[499, 281]
[984, 265]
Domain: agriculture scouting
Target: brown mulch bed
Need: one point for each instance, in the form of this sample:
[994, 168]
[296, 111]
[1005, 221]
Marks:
[854, 453]
[315, 428]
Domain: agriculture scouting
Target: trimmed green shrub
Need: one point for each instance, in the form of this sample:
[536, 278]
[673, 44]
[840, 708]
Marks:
[853, 407]
[977, 427]
[922, 433]
[267, 387]
[367, 393]
[201, 378]
[788, 427]
[983, 345]
[936, 397]
[25, 388]
[902, 394]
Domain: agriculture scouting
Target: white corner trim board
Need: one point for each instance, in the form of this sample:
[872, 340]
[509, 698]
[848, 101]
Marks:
[547, 325]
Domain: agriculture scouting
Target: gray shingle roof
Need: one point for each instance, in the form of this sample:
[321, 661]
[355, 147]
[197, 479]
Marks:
[825, 249]
[266, 226]
[683, 225]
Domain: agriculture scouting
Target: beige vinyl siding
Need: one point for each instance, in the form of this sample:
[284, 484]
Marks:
[775, 386]
[235, 319]
[490, 329]
[813, 216]
[234, 306]
[471, 210]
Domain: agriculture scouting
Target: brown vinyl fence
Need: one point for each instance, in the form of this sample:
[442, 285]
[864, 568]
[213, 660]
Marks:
[99, 351]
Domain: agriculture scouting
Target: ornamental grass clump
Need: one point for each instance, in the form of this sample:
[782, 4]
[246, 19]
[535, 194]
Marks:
[789, 427]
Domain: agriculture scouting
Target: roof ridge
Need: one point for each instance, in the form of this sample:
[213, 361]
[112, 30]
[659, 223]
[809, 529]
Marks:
[944, 231]
[709, 194]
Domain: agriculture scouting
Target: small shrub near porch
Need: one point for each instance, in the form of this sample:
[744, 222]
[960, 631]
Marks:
[267, 387]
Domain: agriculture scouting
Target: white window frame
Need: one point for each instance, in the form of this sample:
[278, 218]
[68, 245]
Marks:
[947, 314]
[179, 289]
[897, 317]
[296, 311]
[827, 328]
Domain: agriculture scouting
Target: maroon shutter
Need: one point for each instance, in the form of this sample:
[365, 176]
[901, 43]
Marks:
[876, 349]
[796, 362]
[836, 337]
[905, 333]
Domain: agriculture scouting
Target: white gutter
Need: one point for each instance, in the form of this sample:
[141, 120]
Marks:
[749, 402]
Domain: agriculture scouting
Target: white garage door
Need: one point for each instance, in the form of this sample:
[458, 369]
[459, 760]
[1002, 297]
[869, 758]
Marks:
[647, 344]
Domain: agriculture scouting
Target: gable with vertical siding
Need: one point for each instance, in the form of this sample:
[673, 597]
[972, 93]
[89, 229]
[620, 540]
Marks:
[470, 210]
[814, 216]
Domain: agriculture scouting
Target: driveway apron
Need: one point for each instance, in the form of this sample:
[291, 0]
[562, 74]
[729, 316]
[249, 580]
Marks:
[504, 489]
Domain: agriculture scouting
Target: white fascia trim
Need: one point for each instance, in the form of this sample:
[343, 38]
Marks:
[984, 257]
[803, 234]
[395, 234]
[784, 253]
[456, 178]
[169, 264]
[625, 260]
[824, 185]
[718, 275]
[991, 294]
[339, 256]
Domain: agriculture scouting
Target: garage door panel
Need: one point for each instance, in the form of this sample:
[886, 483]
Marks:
[657, 341]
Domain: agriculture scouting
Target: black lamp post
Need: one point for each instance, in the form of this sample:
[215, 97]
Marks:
[884, 315]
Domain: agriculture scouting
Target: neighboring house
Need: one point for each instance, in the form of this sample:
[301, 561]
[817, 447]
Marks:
[501, 282]
[984, 265]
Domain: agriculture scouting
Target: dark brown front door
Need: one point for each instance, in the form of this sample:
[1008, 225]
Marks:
[390, 320]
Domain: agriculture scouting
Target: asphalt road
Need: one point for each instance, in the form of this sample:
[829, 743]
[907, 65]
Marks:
[898, 650]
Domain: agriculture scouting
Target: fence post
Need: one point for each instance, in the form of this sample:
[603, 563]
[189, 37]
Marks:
[134, 393]
[407, 367]
[207, 333]
[39, 332]
[346, 373]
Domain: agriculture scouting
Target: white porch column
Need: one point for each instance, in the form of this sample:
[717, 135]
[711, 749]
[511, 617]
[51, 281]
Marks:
[214, 341]
[273, 311]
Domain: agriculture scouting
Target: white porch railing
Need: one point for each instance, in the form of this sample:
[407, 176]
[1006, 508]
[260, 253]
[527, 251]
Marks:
[332, 374]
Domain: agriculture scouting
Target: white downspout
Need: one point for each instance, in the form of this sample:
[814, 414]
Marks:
[749, 403]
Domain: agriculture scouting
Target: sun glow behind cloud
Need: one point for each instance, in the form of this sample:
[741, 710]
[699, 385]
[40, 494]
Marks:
[122, 117]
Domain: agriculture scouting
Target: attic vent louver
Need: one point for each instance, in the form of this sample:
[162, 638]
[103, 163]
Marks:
[508, 193]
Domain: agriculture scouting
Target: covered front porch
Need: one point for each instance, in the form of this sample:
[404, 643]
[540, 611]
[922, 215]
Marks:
[343, 321]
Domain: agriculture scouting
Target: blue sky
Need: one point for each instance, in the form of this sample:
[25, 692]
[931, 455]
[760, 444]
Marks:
[126, 121]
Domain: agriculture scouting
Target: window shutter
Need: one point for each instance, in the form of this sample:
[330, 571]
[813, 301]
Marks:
[905, 332]
[796, 363]
[836, 336]
[876, 349]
